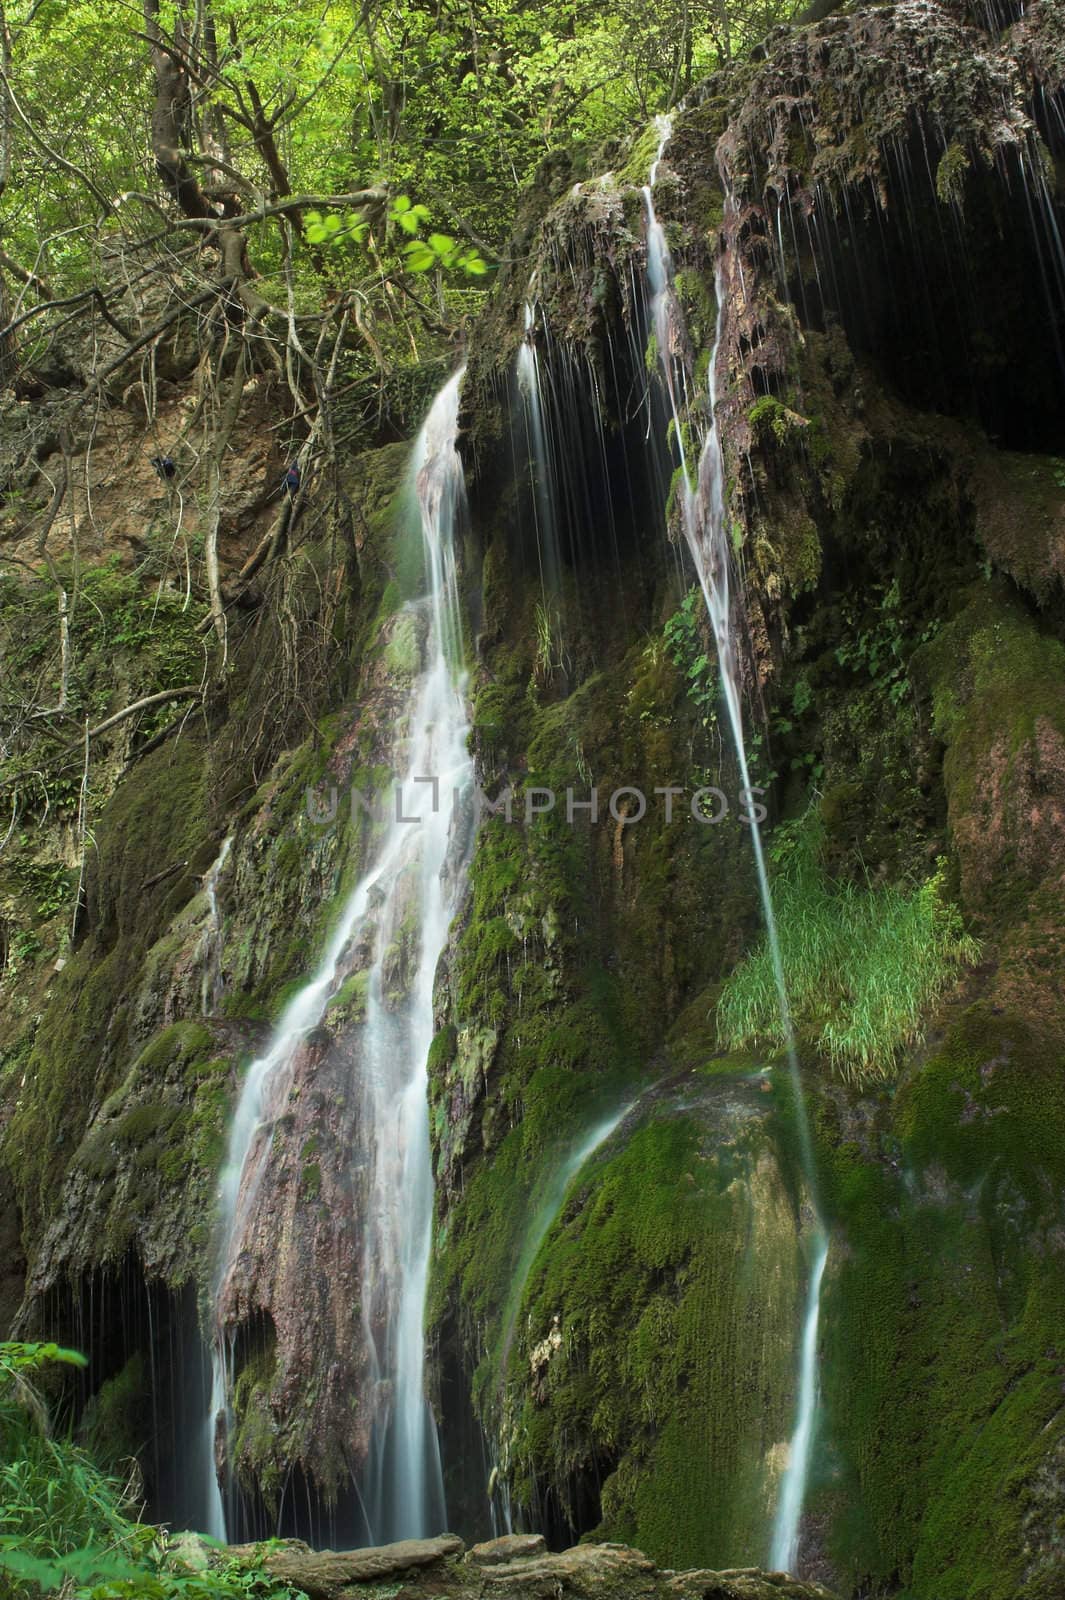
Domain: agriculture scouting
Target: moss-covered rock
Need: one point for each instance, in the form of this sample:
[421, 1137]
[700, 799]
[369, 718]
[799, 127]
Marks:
[672, 1277]
[941, 1362]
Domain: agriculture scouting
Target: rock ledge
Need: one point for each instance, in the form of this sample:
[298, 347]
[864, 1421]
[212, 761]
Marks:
[517, 1567]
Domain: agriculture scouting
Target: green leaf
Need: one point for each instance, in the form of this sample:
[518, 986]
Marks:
[419, 256]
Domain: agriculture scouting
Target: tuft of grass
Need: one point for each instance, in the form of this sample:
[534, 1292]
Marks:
[862, 966]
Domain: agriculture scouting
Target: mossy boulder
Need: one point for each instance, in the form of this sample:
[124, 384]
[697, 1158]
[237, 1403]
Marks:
[673, 1276]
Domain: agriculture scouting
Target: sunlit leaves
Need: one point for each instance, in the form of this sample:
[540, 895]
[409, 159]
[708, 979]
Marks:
[409, 217]
[422, 253]
[15, 1356]
[332, 228]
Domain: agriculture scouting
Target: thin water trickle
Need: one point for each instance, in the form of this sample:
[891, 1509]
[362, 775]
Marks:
[785, 1546]
[545, 497]
[401, 908]
[217, 1408]
[211, 984]
[705, 526]
[547, 1211]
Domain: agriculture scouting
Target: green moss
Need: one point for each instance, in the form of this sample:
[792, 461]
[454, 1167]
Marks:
[562, 975]
[943, 1316]
[999, 703]
[255, 1440]
[671, 1273]
[402, 652]
[1020, 506]
[768, 417]
[348, 1005]
[950, 174]
[118, 1419]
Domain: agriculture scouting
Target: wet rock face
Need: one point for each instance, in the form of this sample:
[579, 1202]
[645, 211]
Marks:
[293, 1300]
[891, 410]
[166, 998]
[831, 104]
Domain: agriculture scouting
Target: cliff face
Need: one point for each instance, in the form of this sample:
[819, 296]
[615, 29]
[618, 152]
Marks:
[623, 1226]
[883, 187]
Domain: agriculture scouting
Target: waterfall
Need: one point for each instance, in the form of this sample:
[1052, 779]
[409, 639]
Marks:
[785, 1546]
[404, 1484]
[401, 909]
[705, 525]
[211, 984]
[544, 496]
[217, 1408]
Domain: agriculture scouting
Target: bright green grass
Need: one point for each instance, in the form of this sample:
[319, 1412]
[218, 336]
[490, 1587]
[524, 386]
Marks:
[862, 966]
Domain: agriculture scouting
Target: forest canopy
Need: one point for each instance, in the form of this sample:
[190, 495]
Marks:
[121, 117]
[306, 200]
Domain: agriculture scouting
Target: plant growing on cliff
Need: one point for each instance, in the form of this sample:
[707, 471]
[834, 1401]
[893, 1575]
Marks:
[863, 966]
[687, 651]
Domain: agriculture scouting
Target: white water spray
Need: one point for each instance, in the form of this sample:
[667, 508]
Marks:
[404, 1485]
[705, 525]
[404, 903]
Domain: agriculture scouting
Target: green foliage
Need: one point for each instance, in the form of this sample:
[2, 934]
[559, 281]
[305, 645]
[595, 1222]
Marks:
[66, 1526]
[127, 634]
[684, 642]
[454, 103]
[18, 1357]
[881, 649]
[420, 254]
[862, 966]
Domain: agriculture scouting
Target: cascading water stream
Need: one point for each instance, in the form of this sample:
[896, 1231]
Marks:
[785, 1545]
[704, 521]
[404, 1484]
[405, 903]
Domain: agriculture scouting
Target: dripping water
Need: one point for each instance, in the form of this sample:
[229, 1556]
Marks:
[544, 496]
[705, 526]
[409, 894]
